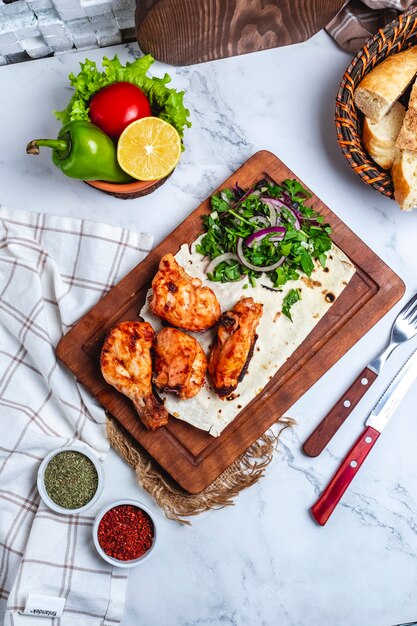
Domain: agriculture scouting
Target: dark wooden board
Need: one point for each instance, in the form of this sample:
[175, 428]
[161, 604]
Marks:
[191, 456]
[182, 32]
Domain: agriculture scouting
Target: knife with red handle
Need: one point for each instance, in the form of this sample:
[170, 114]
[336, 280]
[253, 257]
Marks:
[376, 422]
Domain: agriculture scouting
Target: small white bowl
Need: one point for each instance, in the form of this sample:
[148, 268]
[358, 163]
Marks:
[111, 559]
[41, 480]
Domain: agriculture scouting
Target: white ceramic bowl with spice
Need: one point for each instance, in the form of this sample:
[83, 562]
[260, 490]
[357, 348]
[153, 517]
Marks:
[41, 480]
[110, 559]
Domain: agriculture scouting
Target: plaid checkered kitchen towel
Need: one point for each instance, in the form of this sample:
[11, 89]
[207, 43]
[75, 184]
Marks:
[52, 270]
[358, 21]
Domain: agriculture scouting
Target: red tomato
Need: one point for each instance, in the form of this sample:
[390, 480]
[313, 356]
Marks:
[116, 106]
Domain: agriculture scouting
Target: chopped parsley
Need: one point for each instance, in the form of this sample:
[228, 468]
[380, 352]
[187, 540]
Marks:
[293, 296]
[236, 214]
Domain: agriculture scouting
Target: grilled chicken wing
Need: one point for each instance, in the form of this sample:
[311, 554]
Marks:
[180, 299]
[236, 336]
[180, 364]
[127, 365]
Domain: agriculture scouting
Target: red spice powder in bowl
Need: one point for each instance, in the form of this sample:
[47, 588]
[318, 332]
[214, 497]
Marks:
[124, 533]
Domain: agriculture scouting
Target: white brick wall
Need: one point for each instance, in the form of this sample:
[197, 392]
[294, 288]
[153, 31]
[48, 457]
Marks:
[30, 29]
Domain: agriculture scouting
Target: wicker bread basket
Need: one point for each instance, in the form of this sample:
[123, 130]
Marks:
[395, 37]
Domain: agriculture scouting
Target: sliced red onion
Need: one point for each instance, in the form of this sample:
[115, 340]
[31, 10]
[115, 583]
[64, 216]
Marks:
[296, 224]
[313, 219]
[298, 213]
[227, 256]
[274, 201]
[224, 197]
[294, 207]
[258, 235]
[293, 204]
[260, 219]
[239, 192]
[273, 215]
[286, 198]
[256, 268]
[241, 198]
[287, 202]
[278, 205]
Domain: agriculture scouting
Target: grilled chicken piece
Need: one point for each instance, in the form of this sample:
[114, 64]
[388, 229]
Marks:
[126, 364]
[180, 299]
[236, 336]
[180, 364]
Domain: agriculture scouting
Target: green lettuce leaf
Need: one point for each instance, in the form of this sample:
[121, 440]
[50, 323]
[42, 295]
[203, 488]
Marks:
[166, 103]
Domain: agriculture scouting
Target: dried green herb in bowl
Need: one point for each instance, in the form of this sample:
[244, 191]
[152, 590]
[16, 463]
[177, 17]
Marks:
[70, 480]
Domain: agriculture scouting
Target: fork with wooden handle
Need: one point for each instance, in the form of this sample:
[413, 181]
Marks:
[403, 329]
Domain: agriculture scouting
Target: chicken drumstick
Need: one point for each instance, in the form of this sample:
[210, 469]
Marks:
[127, 365]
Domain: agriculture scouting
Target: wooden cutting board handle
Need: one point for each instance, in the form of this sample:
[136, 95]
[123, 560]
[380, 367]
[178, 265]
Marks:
[182, 32]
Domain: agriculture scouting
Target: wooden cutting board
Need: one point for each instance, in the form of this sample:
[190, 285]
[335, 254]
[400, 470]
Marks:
[191, 456]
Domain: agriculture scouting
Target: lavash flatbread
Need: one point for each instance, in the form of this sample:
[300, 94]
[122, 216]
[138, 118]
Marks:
[278, 337]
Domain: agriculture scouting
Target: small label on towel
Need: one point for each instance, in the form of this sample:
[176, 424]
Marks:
[44, 606]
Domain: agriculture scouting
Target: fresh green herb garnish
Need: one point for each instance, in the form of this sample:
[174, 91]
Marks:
[165, 102]
[293, 296]
[236, 214]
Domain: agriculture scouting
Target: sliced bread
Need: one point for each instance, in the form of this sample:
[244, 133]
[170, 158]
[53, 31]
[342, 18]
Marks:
[412, 103]
[379, 137]
[404, 176]
[380, 89]
[407, 138]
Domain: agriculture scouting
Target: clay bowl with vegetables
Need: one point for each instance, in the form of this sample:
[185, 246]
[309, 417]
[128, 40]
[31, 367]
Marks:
[122, 129]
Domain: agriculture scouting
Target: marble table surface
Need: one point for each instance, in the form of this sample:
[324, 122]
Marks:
[263, 561]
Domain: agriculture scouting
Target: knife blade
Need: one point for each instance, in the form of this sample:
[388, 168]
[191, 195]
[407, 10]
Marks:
[395, 392]
[403, 329]
[374, 425]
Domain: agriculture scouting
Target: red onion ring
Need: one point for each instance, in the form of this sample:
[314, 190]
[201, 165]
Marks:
[227, 256]
[256, 268]
[279, 205]
[261, 219]
[261, 234]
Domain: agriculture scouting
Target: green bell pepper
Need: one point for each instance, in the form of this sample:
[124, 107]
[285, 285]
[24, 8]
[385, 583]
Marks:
[83, 151]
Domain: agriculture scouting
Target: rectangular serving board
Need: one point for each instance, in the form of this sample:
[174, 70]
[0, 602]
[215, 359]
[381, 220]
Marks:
[192, 457]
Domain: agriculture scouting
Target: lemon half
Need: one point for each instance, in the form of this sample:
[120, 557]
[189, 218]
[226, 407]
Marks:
[149, 149]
